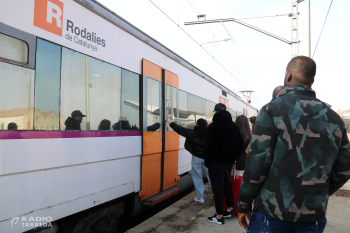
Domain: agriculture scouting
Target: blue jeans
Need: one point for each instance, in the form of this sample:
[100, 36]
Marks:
[261, 223]
[197, 167]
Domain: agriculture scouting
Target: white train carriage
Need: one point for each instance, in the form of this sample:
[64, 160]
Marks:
[58, 56]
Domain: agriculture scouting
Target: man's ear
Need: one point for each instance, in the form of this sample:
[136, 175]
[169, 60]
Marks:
[289, 77]
[313, 80]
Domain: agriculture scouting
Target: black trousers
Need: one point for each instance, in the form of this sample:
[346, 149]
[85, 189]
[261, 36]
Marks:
[220, 182]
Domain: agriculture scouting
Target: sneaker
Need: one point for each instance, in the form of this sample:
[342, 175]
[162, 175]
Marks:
[228, 214]
[216, 220]
[200, 200]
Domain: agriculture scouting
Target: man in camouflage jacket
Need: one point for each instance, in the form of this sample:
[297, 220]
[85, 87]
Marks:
[298, 157]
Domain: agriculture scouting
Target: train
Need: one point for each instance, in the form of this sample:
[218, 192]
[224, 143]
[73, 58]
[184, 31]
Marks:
[76, 59]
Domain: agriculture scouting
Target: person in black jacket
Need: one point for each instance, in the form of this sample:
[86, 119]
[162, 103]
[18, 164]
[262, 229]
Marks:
[243, 125]
[73, 122]
[195, 144]
[224, 143]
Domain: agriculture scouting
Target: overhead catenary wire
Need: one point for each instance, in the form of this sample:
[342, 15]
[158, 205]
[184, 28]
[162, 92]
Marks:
[197, 43]
[245, 18]
[225, 50]
[219, 43]
[270, 16]
[322, 28]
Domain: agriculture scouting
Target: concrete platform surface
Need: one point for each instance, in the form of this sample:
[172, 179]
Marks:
[186, 215]
[346, 186]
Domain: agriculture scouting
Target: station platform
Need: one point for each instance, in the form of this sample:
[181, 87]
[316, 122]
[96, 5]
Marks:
[186, 215]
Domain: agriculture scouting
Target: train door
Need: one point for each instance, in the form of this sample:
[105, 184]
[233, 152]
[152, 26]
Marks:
[172, 139]
[159, 174]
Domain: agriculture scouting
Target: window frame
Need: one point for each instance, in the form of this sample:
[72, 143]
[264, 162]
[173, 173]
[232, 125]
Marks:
[29, 39]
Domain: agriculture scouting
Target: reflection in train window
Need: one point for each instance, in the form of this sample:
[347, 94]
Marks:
[74, 91]
[97, 95]
[47, 85]
[194, 110]
[203, 108]
[152, 106]
[234, 115]
[183, 115]
[230, 111]
[171, 105]
[17, 97]
[104, 94]
[13, 49]
[130, 116]
[209, 111]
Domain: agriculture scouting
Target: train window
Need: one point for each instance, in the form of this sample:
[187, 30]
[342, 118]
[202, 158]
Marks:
[130, 98]
[74, 91]
[47, 85]
[17, 97]
[195, 110]
[183, 114]
[96, 95]
[209, 108]
[203, 106]
[104, 94]
[234, 116]
[171, 105]
[13, 49]
[153, 105]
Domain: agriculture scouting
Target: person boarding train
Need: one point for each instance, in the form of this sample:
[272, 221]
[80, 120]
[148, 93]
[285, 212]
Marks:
[195, 144]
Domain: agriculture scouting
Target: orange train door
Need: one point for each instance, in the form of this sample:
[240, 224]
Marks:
[159, 171]
[172, 139]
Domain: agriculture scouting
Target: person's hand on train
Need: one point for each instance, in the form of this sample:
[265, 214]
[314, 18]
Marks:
[169, 121]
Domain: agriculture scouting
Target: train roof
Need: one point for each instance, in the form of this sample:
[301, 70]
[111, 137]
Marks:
[112, 17]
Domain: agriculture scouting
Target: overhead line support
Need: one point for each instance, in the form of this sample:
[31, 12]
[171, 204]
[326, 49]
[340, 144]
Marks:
[242, 23]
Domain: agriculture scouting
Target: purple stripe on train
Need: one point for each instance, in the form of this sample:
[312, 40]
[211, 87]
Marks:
[64, 134]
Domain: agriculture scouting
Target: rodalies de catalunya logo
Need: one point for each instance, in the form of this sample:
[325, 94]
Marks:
[48, 15]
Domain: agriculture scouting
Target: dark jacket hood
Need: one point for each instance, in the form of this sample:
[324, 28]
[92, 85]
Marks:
[224, 142]
[196, 131]
[193, 143]
[222, 117]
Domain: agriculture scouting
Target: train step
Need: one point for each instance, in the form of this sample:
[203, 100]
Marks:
[161, 196]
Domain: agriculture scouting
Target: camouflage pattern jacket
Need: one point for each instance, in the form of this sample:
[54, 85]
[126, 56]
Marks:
[298, 156]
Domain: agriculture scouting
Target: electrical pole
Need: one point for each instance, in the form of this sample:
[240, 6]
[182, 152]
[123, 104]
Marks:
[309, 28]
[295, 29]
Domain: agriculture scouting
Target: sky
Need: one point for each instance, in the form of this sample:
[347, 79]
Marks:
[255, 61]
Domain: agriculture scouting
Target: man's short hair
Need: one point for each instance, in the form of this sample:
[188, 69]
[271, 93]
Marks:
[304, 67]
